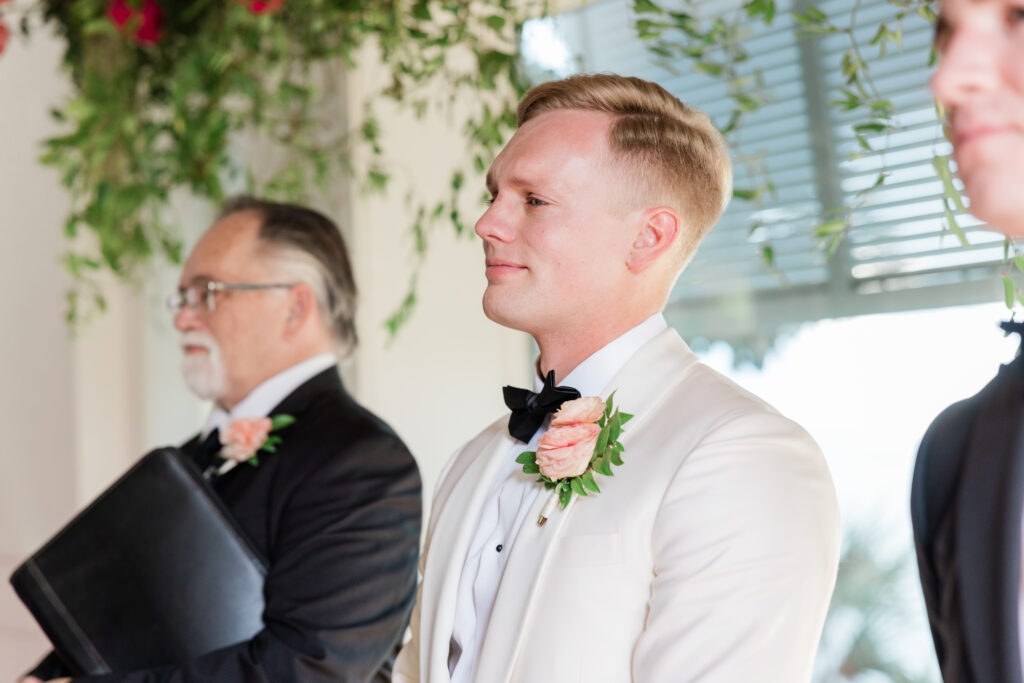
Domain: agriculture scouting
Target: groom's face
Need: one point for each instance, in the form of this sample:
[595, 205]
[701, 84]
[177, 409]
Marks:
[559, 226]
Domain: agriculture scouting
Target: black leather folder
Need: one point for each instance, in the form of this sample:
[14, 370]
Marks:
[153, 572]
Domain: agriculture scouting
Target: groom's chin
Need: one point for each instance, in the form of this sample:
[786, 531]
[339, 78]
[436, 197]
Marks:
[499, 310]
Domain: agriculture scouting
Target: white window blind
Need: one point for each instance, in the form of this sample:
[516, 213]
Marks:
[896, 257]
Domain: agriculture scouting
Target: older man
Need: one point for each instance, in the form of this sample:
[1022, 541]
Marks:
[968, 490]
[711, 554]
[265, 302]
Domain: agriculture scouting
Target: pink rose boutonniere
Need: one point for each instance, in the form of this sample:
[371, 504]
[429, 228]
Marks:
[244, 438]
[583, 439]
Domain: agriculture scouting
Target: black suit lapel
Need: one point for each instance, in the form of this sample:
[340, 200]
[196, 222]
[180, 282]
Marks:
[988, 529]
[300, 400]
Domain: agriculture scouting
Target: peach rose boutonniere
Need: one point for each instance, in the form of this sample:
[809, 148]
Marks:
[243, 439]
[583, 439]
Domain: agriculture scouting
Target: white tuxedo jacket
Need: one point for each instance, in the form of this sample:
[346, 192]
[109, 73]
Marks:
[710, 556]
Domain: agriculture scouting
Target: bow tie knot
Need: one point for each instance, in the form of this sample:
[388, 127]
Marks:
[530, 408]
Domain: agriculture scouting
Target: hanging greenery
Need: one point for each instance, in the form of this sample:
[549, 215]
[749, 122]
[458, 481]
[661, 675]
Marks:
[715, 47]
[161, 88]
[676, 34]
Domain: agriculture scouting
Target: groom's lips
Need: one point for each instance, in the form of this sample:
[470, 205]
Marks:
[191, 348]
[497, 267]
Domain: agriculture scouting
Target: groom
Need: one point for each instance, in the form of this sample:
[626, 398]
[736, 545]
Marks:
[711, 554]
[265, 302]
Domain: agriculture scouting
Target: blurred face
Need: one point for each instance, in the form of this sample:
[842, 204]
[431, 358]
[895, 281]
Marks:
[228, 350]
[980, 82]
[558, 229]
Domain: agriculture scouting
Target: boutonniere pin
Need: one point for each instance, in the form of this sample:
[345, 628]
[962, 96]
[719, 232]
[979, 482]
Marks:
[243, 440]
[583, 439]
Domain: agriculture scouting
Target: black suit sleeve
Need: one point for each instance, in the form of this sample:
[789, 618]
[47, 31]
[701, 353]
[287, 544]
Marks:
[342, 576]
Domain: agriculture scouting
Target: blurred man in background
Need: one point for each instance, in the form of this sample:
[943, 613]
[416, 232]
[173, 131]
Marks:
[265, 304]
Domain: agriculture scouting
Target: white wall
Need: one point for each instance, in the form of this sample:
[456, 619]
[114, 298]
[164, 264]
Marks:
[38, 465]
[75, 414]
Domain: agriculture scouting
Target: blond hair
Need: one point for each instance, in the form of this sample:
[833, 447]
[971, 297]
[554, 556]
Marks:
[677, 156]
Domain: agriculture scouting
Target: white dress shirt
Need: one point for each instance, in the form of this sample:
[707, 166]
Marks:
[261, 400]
[509, 500]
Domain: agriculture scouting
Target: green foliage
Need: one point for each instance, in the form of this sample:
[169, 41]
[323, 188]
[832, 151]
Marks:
[281, 421]
[277, 422]
[714, 47]
[150, 117]
[401, 315]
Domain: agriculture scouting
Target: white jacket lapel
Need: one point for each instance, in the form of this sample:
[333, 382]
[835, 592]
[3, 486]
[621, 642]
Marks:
[512, 606]
[447, 553]
[643, 380]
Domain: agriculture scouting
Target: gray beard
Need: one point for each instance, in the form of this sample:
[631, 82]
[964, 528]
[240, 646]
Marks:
[203, 373]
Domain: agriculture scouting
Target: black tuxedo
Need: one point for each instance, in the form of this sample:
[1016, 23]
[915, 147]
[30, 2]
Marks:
[966, 508]
[336, 511]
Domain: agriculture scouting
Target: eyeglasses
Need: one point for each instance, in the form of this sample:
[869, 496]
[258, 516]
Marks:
[204, 296]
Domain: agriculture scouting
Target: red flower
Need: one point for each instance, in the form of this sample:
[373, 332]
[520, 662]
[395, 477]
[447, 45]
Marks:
[152, 19]
[146, 22]
[265, 6]
[119, 13]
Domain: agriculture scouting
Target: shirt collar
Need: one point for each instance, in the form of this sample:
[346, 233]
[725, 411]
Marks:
[264, 397]
[594, 373]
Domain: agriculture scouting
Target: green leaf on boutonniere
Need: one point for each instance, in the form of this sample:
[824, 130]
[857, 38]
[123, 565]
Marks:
[271, 444]
[615, 454]
[254, 460]
[608, 404]
[588, 481]
[280, 422]
[564, 494]
[577, 487]
[616, 426]
[603, 439]
[527, 458]
[625, 417]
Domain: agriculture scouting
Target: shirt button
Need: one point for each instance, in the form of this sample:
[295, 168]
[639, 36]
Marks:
[500, 546]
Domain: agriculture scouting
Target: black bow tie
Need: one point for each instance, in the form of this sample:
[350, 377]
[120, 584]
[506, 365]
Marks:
[529, 409]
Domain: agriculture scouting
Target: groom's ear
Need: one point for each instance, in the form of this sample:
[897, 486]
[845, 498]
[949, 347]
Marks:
[657, 236]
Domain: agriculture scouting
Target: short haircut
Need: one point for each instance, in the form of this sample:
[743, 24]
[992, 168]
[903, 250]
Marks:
[676, 154]
[310, 247]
